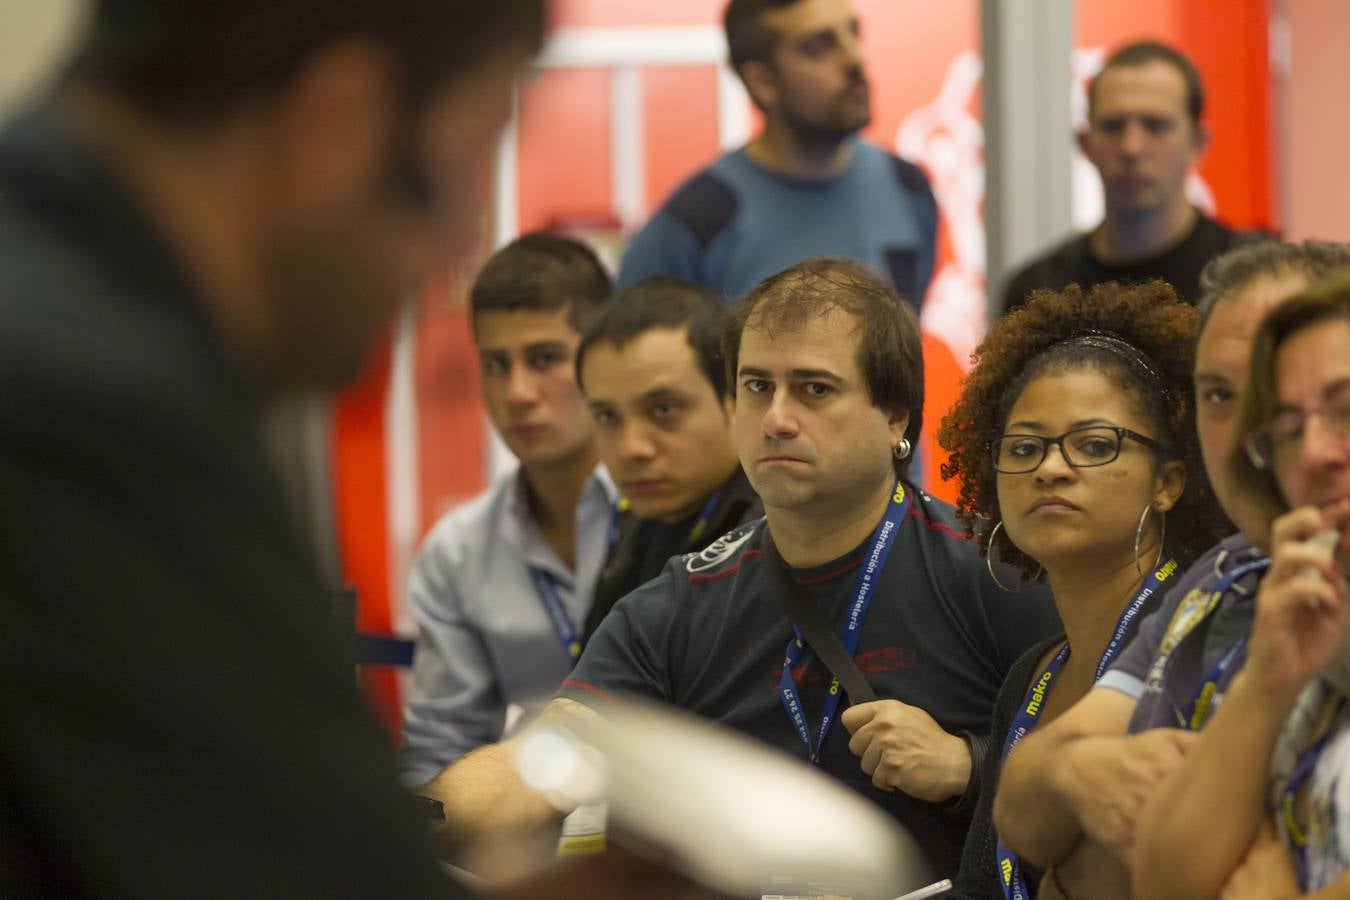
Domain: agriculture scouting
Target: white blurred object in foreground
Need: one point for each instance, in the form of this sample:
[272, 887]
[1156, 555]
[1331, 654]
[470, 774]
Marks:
[720, 807]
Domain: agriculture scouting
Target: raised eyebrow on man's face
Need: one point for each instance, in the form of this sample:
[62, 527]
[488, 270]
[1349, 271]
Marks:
[853, 25]
[547, 346]
[664, 392]
[793, 374]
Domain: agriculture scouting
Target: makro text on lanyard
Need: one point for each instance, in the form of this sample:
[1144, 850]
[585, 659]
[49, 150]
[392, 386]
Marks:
[883, 538]
[1028, 716]
[547, 589]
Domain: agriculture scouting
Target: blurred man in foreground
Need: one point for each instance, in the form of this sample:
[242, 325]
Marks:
[223, 201]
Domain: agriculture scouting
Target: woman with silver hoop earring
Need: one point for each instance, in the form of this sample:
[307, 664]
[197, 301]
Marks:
[1073, 438]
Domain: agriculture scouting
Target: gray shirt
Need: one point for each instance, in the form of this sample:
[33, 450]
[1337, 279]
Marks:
[484, 637]
[1164, 668]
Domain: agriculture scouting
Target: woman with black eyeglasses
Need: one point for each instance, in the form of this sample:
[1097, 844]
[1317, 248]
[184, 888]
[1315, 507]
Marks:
[1075, 449]
[1269, 779]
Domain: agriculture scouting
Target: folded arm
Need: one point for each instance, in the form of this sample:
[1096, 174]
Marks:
[1206, 814]
[1042, 799]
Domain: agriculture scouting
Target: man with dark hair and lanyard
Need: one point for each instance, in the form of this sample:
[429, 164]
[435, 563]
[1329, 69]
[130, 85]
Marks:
[1070, 795]
[503, 583]
[826, 365]
[651, 368]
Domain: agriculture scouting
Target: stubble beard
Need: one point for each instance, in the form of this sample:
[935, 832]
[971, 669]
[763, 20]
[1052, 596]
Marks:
[825, 135]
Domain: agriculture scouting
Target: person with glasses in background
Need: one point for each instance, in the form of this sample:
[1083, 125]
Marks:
[1073, 440]
[1260, 806]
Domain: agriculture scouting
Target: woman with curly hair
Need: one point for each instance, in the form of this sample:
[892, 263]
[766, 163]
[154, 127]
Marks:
[1075, 450]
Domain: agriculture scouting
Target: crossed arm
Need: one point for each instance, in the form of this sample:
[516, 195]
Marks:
[1210, 810]
[1071, 794]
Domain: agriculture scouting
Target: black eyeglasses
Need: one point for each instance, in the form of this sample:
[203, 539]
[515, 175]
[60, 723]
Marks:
[1082, 448]
[1280, 438]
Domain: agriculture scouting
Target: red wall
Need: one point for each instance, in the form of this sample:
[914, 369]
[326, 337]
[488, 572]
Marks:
[564, 176]
[1228, 42]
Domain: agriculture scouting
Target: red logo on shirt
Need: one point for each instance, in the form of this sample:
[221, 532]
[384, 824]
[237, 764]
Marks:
[883, 659]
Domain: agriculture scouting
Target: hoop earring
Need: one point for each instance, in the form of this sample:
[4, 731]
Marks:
[902, 449]
[1139, 537]
[989, 563]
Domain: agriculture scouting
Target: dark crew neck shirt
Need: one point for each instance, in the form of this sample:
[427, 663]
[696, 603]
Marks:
[709, 636]
[1074, 263]
[178, 714]
[644, 546]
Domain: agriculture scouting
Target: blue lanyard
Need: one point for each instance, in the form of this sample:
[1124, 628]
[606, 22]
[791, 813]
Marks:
[1028, 716]
[883, 538]
[701, 524]
[1221, 673]
[562, 623]
[1298, 836]
[1130, 613]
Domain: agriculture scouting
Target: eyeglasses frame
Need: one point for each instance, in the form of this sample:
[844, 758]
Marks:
[1121, 434]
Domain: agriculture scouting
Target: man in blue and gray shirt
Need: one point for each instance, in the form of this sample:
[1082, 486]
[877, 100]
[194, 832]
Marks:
[806, 185]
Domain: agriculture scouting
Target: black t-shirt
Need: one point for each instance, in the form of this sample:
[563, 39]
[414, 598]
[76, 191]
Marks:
[1073, 263]
[709, 636]
[177, 713]
[979, 878]
[645, 545]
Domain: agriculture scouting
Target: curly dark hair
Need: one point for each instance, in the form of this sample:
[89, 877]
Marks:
[1030, 342]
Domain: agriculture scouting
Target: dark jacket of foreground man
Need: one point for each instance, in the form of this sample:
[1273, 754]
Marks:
[177, 713]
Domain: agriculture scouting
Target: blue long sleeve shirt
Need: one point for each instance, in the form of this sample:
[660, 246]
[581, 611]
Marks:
[736, 223]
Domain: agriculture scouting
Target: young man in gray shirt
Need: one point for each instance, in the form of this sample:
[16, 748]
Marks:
[502, 584]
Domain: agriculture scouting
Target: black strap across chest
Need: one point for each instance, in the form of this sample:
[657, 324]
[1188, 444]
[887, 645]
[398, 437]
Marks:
[813, 628]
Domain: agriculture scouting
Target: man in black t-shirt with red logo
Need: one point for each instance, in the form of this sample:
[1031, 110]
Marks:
[826, 368]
